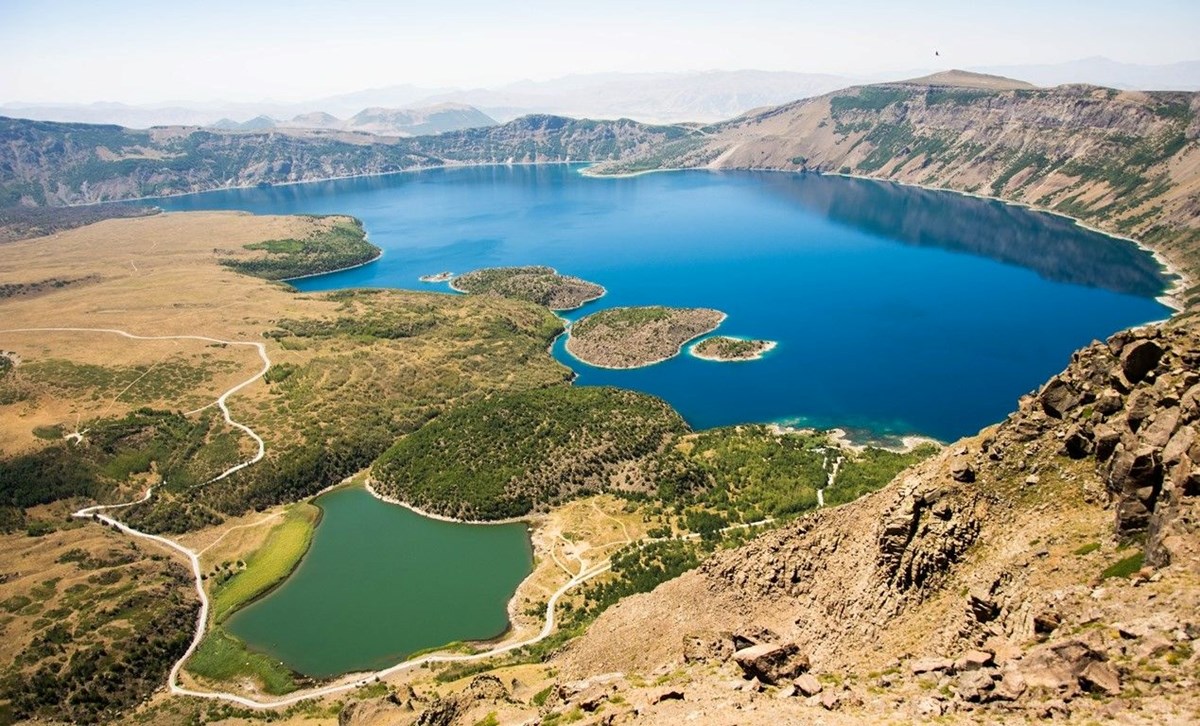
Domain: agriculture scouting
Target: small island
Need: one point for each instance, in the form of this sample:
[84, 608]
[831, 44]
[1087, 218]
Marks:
[536, 284]
[725, 349]
[439, 277]
[638, 336]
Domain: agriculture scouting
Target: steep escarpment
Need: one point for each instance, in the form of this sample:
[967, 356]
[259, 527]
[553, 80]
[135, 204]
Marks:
[45, 163]
[1126, 161]
[1052, 556]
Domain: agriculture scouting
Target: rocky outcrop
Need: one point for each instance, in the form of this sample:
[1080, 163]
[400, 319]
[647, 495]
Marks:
[1133, 406]
[772, 662]
[1008, 589]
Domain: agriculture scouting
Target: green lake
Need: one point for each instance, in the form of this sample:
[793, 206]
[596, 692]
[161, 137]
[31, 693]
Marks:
[381, 582]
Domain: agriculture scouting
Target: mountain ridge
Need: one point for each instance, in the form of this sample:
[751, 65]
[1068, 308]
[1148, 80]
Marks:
[1127, 162]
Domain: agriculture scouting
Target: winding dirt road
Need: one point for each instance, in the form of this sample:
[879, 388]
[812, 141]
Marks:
[353, 681]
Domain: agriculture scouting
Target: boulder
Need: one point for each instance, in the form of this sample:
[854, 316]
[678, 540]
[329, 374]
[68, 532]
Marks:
[974, 686]
[1134, 469]
[930, 708]
[666, 694]
[807, 685]
[973, 660]
[1140, 407]
[1100, 677]
[1160, 429]
[961, 471]
[983, 607]
[1105, 439]
[1009, 688]
[1078, 442]
[830, 701]
[1046, 622]
[1189, 402]
[1058, 398]
[1139, 358]
[1179, 445]
[930, 665]
[772, 662]
[1108, 402]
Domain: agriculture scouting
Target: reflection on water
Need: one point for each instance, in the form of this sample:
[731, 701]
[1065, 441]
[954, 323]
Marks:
[1053, 246]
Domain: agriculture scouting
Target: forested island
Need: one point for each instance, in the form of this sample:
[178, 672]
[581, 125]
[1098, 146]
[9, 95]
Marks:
[638, 336]
[725, 349]
[536, 284]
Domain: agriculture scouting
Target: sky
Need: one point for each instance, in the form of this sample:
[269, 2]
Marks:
[289, 50]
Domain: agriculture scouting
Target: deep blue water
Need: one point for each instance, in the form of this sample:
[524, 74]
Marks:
[897, 310]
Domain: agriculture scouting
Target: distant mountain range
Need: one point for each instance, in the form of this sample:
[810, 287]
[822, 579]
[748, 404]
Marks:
[379, 121]
[647, 97]
[1102, 71]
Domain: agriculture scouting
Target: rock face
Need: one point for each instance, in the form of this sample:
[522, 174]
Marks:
[772, 663]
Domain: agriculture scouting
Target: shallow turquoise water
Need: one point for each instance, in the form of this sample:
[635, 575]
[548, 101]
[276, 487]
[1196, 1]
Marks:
[897, 310]
[380, 582]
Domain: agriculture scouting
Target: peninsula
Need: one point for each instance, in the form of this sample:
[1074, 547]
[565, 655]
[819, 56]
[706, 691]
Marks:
[725, 349]
[541, 285]
[638, 336]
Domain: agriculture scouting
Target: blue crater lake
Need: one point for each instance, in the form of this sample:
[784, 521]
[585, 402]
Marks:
[897, 309]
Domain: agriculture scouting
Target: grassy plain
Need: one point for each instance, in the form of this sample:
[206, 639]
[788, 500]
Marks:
[268, 565]
[222, 659]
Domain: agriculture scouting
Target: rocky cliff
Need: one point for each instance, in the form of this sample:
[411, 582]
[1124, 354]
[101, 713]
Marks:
[1126, 161]
[45, 163]
[1052, 556]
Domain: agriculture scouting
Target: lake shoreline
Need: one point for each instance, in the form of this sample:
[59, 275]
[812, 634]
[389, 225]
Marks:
[376, 258]
[1171, 296]
[440, 517]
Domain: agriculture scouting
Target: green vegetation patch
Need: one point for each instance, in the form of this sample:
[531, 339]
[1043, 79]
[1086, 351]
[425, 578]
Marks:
[868, 98]
[725, 348]
[621, 318]
[114, 450]
[869, 470]
[506, 455]
[1124, 567]
[25, 289]
[342, 244]
[270, 564]
[97, 651]
[222, 658]
[748, 473]
[169, 380]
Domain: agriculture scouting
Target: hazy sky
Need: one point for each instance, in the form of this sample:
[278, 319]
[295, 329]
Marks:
[140, 51]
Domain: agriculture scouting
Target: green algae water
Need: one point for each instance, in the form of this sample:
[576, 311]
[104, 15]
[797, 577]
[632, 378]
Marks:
[381, 582]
